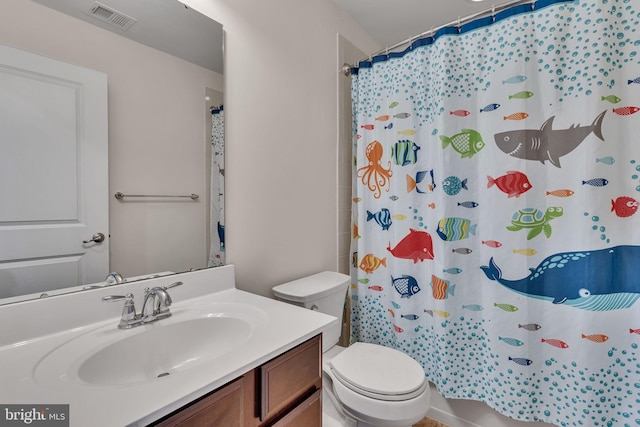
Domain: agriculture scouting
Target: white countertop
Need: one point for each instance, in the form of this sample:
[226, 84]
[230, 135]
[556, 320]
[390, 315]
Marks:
[283, 327]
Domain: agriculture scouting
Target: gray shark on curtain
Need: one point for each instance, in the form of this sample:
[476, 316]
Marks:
[546, 143]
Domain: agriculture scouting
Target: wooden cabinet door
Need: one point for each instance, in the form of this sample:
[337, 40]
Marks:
[284, 392]
[289, 378]
[223, 407]
[307, 414]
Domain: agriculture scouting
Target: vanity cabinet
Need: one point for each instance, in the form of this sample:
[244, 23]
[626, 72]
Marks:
[285, 391]
[223, 407]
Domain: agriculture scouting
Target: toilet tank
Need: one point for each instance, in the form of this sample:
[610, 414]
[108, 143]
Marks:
[324, 292]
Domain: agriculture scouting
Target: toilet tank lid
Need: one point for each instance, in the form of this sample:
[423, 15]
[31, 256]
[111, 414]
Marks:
[312, 287]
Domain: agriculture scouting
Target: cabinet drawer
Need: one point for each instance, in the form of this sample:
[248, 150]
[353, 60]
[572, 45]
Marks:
[307, 414]
[223, 407]
[288, 379]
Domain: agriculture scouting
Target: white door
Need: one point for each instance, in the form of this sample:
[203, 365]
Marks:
[53, 174]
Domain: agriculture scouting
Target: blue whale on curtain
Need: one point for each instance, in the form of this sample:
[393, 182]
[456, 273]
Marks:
[547, 144]
[600, 280]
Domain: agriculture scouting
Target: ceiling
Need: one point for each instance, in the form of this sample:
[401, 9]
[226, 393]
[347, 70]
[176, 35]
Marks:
[166, 25]
[387, 22]
[391, 22]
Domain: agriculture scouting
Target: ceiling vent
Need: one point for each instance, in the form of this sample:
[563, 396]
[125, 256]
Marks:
[111, 16]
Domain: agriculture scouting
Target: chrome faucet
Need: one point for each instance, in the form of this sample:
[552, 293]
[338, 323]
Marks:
[156, 303]
[129, 318]
[155, 306]
[114, 278]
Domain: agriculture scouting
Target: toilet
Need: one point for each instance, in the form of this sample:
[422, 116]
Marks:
[363, 384]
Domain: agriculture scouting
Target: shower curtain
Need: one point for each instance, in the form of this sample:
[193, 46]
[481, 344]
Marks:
[216, 253]
[496, 185]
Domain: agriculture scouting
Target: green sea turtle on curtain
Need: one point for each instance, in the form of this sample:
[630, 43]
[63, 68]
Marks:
[534, 220]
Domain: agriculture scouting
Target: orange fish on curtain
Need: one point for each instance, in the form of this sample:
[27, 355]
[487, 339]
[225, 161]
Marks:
[371, 263]
[441, 288]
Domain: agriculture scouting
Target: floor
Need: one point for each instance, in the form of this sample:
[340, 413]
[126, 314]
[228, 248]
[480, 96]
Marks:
[428, 422]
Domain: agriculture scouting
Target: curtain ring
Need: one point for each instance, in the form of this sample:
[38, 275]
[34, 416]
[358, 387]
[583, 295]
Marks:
[533, 5]
[459, 28]
[493, 13]
[433, 36]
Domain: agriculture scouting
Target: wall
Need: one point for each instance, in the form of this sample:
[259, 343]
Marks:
[284, 144]
[157, 139]
[281, 71]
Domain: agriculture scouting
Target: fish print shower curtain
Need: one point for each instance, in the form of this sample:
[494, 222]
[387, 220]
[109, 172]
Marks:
[496, 237]
[216, 252]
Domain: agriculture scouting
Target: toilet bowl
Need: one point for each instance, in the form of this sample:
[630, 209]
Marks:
[363, 384]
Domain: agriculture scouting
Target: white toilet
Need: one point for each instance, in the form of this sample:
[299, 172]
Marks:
[363, 384]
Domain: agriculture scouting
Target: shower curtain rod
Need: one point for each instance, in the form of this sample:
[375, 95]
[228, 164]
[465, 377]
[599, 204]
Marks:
[346, 68]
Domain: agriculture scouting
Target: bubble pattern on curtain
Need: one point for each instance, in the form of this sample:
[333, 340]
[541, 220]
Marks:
[495, 224]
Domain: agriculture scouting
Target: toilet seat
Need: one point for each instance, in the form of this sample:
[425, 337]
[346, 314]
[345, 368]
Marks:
[379, 372]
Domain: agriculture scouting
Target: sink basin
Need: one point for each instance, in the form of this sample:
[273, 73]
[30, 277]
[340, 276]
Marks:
[108, 356]
[163, 350]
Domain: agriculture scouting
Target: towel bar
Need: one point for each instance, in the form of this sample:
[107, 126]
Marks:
[121, 196]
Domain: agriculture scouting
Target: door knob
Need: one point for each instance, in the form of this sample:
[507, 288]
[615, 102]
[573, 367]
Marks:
[96, 238]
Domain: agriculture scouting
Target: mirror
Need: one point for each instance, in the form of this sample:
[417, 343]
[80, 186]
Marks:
[164, 75]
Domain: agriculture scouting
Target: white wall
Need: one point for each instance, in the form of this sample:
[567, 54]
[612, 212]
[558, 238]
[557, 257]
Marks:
[281, 113]
[281, 71]
[157, 138]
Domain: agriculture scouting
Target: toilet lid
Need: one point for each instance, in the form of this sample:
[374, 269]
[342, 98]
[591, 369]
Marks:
[379, 372]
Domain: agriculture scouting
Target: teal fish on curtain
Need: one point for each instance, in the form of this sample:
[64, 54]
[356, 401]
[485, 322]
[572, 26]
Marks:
[496, 189]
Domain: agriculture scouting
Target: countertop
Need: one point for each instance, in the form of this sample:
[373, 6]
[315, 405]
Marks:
[283, 327]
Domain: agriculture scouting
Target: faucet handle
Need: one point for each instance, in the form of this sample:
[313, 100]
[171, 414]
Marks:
[113, 298]
[128, 311]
